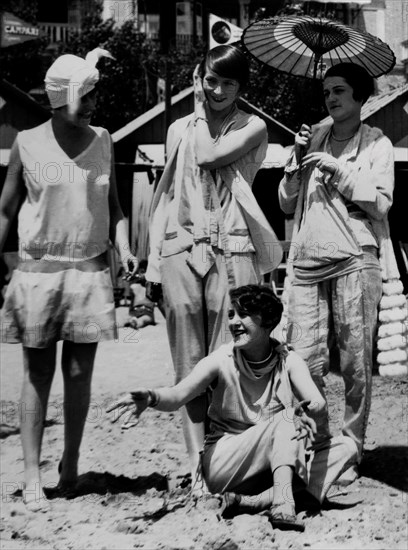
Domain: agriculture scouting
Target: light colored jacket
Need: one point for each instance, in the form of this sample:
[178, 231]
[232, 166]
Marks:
[238, 177]
[365, 177]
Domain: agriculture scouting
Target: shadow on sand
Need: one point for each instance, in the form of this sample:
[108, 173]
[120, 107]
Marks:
[106, 483]
[387, 464]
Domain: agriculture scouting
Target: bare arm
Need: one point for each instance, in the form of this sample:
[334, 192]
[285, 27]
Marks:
[302, 382]
[13, 191]
[212, 154]
[194, 384]
[307, 393]
[117, 228]
[168, 398]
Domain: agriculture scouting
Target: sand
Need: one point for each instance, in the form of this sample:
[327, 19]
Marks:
[135, 483]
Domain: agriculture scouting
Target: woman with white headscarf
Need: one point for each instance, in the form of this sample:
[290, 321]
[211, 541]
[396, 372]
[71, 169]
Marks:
[62, 175]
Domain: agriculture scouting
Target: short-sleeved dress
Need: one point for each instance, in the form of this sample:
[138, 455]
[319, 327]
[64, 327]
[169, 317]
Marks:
[61, 288]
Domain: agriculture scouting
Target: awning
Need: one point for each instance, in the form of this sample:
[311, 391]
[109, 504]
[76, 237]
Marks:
[276, 156]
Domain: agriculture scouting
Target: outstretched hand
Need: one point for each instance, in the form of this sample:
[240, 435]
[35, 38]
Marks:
[305, 426]
[131, 407]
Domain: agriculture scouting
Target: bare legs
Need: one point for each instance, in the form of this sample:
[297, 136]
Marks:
[77, 367]
[39, 368]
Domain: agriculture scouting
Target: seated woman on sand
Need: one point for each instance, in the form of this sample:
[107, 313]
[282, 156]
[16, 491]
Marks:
[258, 437]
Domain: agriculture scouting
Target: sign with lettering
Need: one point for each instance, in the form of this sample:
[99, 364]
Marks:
[14, 30]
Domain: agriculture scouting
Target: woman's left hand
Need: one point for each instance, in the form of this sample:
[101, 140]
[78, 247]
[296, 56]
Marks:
[305, 426]
[323, 161]
[130, 264]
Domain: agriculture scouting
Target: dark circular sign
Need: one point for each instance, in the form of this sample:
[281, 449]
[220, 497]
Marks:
[221, 32]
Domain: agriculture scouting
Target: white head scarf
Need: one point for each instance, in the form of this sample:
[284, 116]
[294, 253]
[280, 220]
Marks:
[70, 77]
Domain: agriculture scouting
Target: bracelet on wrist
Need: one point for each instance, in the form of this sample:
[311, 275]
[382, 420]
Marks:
[153, 398]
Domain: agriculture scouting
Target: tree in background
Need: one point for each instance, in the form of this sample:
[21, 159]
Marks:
[122, 88]
[128, 84]
[290, 99]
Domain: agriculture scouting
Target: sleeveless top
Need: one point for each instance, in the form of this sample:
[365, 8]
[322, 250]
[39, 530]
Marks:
[240, 399]
[65, 215]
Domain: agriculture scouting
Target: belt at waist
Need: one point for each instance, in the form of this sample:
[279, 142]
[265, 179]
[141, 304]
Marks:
[369, 258]
[90, 265]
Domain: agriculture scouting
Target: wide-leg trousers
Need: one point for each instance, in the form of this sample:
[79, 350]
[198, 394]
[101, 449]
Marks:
[244, 463]
[197, 307]
[333, 324]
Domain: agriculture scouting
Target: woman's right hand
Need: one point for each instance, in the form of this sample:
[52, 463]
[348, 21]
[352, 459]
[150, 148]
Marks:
[199, 95]
[302, 142]
[131, 405]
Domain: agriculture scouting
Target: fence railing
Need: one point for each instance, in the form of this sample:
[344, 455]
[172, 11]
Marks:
[56, 32]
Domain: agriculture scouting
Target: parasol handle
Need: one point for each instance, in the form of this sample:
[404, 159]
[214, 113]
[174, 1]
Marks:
[302, 142]
[317, 74]
[316, 63]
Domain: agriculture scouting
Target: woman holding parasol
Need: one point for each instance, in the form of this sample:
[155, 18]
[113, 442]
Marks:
[340, 193]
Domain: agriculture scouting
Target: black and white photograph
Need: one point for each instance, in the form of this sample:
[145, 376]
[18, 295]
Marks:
[204, 274]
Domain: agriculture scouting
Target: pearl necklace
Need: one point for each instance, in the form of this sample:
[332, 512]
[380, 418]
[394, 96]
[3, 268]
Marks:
[344, 139]
[263, 360]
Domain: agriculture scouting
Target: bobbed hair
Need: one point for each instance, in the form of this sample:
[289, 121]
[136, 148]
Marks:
[258, 300]
[228, 62]
[356, 77]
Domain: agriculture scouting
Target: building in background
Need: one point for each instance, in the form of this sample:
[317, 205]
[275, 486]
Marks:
[57, 18]
[386, 19]
[188, 21]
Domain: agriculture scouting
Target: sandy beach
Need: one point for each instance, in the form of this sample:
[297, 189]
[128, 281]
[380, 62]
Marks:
[134, 484]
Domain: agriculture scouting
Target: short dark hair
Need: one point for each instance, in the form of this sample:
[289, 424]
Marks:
[228, 62]
[258, 300]
[356, 77]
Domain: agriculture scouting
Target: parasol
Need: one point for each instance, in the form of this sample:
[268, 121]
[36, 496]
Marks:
[306, 46]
